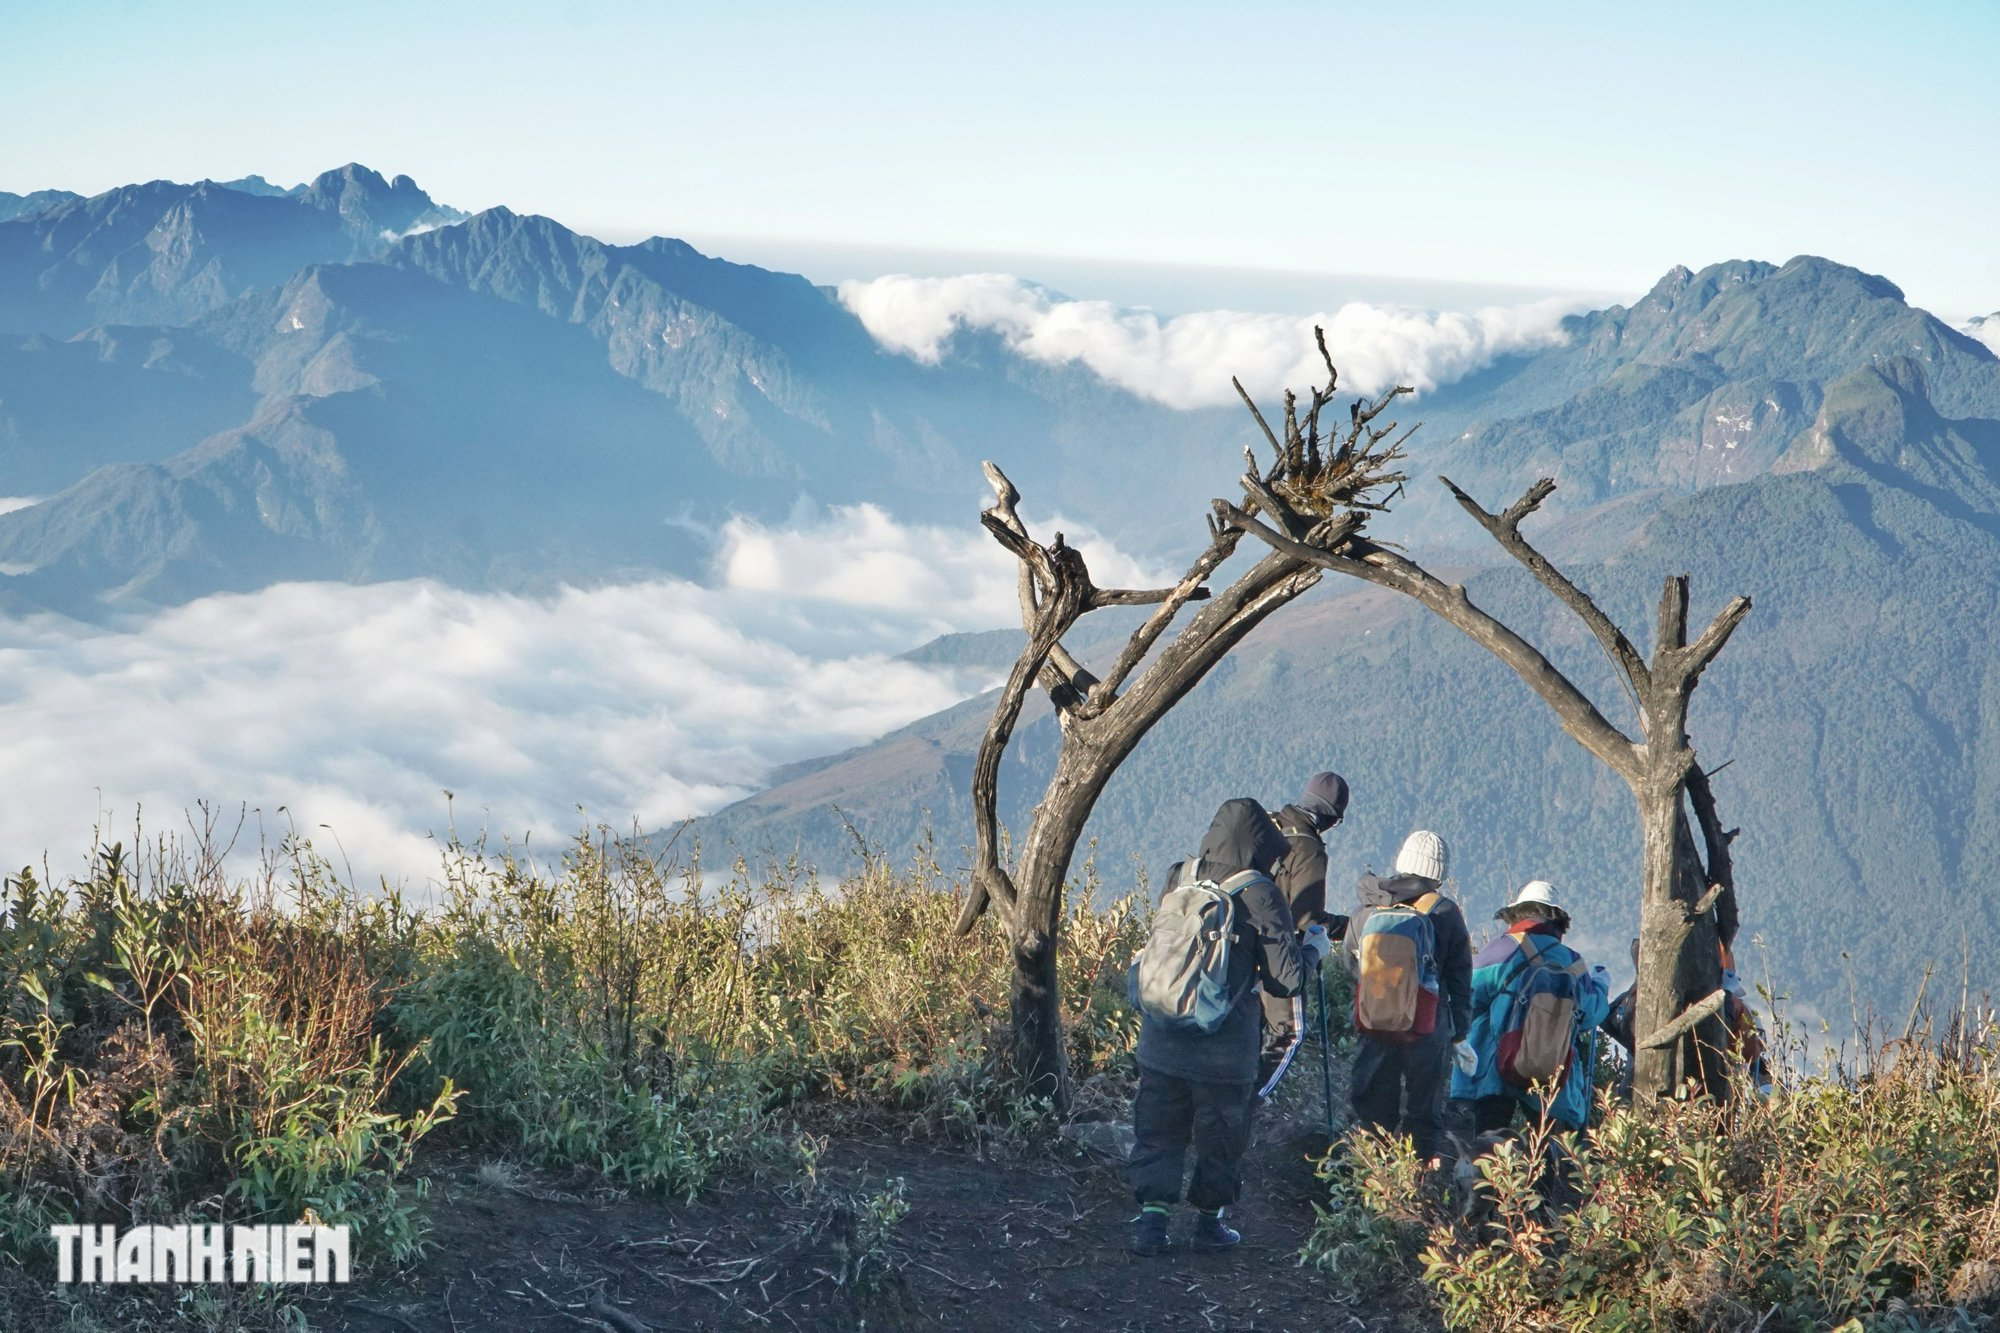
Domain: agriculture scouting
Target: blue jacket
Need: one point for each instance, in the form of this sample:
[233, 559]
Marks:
[1494, 972]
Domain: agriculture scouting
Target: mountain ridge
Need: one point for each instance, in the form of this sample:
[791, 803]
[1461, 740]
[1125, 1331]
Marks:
[705, 388]
[1863, 729]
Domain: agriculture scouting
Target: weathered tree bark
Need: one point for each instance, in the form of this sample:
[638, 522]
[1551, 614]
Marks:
[1684, 907]
[1327, 487]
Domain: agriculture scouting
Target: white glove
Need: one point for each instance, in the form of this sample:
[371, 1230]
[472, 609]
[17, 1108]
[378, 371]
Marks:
[1317, 943]
[1603, 975]
[1466, 1058]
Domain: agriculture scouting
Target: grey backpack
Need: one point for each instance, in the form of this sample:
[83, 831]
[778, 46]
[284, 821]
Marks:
[1181, 976]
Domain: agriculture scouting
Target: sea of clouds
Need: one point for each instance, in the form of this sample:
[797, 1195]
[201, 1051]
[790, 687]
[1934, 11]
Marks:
[346, 712]
[1186, 361]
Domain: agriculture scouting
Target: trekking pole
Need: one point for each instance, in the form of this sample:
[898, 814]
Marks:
[1325, 1054]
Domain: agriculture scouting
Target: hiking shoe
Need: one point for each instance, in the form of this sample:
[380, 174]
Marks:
[1212, 1233]
[1149, 1233]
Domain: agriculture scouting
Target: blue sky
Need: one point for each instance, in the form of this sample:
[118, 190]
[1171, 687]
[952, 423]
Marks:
[1547, 147]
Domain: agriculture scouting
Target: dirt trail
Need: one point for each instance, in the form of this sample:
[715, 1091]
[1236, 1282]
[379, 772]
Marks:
[1009, 1243]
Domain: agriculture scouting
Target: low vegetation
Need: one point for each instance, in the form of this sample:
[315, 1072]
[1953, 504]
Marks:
[175, 1045]
[1849, 1198]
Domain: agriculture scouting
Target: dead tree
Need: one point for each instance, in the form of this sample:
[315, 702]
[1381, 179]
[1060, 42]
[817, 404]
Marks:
[1685, 906]
[1335, 480]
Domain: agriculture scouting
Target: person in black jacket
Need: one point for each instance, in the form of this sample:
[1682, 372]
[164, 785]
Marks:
[1399, 1088]
[1301, 877]
[1195, 1087]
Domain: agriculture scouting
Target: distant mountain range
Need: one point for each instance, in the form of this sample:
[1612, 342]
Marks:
[1796, 433]
[220, 386]
[210, 387]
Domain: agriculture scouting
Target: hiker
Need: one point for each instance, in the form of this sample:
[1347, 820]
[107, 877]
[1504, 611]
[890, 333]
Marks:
[1746, 1036]
[1195, 1085]
[1301, 877]
[1618, 1026]
[1411, 957]
[1535, 1011]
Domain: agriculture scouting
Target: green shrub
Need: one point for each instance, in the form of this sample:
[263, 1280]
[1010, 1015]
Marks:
[1375, 1215]
[168, 1037]
[1867, 1199]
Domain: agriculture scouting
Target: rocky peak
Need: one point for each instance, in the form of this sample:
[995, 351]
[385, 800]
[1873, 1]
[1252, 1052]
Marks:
[1673, 282]
[370, 206]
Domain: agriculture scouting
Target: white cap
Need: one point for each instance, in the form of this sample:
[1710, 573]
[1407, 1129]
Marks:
[1423, 853]
[1538, 891]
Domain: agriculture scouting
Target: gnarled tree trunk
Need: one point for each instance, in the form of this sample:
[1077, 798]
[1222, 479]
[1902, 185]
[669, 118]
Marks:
[1684, 906]
[1102, 719]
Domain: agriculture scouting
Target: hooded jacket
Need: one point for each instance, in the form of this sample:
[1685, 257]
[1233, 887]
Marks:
[1266, 950]
[1301, 872]
[1495, 971]
[1454, 941]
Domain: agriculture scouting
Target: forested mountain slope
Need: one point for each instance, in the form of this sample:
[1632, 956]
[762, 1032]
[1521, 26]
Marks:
[1858, 709]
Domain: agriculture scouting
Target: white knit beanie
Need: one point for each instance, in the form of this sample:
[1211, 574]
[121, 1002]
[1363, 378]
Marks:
[1424, 853]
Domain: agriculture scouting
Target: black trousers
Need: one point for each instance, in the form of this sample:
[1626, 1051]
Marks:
[1490, 1114]
[1400, 1089]
[1169, 1115]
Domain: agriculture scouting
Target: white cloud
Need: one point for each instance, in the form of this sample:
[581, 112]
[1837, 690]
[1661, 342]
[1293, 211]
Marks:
[390, 236]
[1187, 361]
[861, 557]
[1986, 328]
[355, 707]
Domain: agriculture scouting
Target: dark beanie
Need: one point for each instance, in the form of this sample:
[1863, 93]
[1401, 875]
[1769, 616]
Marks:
[1325, 799]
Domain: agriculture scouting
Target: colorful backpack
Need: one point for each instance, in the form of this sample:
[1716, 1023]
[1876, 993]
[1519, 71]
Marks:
[1396, 985]
[1181, 976]
[1538, 1031]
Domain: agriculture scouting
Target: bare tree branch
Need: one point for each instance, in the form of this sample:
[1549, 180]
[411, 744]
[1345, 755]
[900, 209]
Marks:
[1065, 678]
[1505, 528]
[1369, 413]
[1263, 425]
[1721, 867]
[1221, 546]
[1706, 901]
[1578, 716]
[1672, 632]
[1103, 597]
[990, 879]
[1254, 489]
[1703, 650]
[1690, 1018]
[1218, 627]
